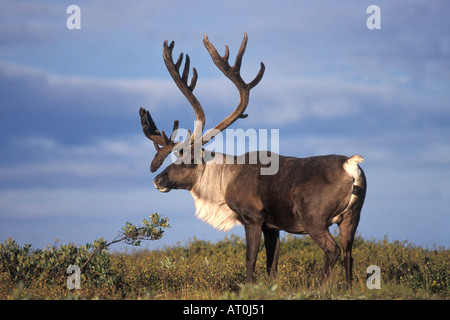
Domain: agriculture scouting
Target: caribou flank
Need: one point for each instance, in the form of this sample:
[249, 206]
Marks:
[305, 196]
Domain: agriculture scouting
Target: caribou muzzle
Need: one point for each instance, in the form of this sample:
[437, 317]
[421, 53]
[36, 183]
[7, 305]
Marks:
[161, 183]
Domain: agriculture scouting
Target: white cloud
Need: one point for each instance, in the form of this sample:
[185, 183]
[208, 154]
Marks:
[72, 202]
[90, 94]
[286, 101]
[97, 160]
[407, 150]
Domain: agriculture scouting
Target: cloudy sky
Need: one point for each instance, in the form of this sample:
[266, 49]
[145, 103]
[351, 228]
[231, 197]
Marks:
[74, 163]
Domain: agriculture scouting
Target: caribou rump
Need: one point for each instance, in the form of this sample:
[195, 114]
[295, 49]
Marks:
[305, 195]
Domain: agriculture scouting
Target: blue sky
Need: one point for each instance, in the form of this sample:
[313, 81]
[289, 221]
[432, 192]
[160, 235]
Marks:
[74, 162]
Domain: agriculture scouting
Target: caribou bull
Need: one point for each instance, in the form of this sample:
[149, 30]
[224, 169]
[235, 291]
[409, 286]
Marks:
[305, 195]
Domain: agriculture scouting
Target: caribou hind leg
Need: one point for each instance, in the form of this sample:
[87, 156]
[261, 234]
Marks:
[331, 249]
[347, 231]
[349, 223]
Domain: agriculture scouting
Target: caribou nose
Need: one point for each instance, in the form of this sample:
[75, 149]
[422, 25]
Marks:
[154, 183]
[157, 182]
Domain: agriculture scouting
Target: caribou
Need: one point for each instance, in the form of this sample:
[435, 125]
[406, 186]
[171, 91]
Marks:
[304, 196]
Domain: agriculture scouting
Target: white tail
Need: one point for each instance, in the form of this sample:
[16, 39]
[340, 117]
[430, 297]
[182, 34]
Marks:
[351, 166]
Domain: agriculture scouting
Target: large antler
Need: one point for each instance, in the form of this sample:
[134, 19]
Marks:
[165, 145]
[181, 82]
[148, 125]
[232, 73]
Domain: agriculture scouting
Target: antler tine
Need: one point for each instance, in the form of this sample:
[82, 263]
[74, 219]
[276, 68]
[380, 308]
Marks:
[179, 61]
[186, 69]
[174, 130]
[194, 79]
[258, 77]
[227, 52]
[240, 54]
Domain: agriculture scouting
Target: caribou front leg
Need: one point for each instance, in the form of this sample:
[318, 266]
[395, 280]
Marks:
[272, 244]
[253, 240]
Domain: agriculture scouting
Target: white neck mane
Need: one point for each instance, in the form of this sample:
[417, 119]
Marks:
[209, 194]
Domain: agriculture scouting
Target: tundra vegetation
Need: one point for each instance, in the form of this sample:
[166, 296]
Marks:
[201, 269]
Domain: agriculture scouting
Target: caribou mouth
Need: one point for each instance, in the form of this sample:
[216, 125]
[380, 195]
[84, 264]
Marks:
[162, 189]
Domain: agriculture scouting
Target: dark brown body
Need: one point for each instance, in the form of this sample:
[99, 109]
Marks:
[305, 196]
